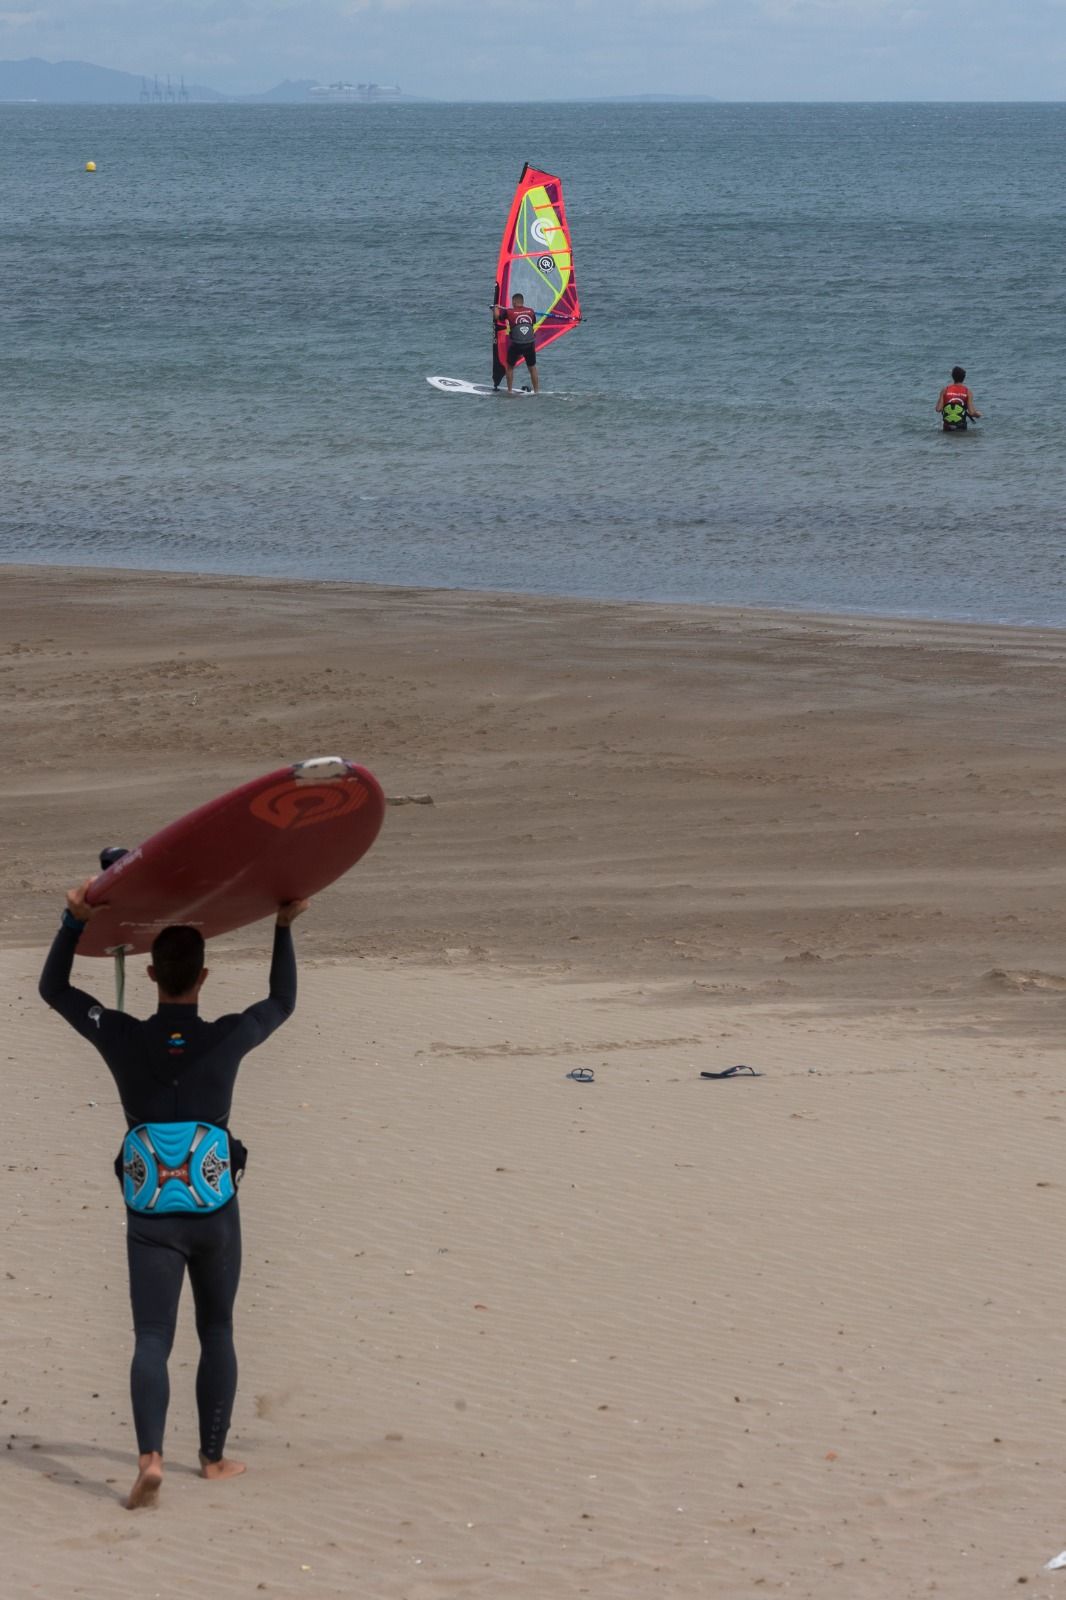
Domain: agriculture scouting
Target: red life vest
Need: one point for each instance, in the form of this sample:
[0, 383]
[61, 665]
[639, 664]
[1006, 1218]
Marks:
[956, 406]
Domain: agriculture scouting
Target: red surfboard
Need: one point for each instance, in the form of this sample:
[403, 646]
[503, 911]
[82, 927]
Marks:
[282, 837]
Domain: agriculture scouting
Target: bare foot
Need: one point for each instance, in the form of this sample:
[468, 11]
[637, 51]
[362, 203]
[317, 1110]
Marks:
[145, 1491]
[223, 1468]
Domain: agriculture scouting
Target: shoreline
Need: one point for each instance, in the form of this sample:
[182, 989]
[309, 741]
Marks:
[797, 613]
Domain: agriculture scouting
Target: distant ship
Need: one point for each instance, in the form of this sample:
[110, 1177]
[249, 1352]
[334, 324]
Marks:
[354, 91]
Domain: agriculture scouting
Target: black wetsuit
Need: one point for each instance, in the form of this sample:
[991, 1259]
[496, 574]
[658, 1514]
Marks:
[175, 1067]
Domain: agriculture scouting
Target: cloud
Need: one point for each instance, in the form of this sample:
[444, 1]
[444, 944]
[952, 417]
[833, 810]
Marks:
[820, 12]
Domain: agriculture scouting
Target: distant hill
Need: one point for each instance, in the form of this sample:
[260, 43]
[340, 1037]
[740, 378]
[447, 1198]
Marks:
[83, 83]
[292, 91]
[80, 82]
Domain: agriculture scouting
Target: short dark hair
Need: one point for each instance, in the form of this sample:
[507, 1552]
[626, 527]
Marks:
[178, 958]
[958, 373]
[519, 297]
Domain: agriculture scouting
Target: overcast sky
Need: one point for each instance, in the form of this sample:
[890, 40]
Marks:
[529, 49]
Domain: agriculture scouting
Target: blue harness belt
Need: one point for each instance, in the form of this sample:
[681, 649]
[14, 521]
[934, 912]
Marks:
[176, 1166]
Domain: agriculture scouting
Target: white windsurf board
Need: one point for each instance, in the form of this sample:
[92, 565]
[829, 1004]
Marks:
[460, 386]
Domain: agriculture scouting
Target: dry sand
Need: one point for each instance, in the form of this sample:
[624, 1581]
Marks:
[501, 1333]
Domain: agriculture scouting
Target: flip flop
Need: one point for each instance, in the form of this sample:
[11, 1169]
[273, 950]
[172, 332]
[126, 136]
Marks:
[733, 1072]
[582, 1075]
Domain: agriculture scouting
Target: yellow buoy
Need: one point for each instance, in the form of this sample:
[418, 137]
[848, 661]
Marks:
[90, 166]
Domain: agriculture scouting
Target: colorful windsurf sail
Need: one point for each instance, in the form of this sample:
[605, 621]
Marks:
[537, 262]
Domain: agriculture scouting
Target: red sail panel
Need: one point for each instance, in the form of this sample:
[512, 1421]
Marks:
[537, 260]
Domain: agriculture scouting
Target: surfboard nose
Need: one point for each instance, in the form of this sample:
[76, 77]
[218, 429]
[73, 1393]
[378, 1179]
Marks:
[321, 768]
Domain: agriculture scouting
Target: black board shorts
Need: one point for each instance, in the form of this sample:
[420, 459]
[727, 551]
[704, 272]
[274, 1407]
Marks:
[519, 352]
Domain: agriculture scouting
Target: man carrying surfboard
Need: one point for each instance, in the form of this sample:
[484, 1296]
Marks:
[179, 1165]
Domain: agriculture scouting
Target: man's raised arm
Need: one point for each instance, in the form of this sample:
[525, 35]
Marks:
[77, 1007]
[268, 1014]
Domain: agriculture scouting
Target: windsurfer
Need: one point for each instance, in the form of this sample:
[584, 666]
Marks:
[535, 265]
[521, 325]
[955, 403]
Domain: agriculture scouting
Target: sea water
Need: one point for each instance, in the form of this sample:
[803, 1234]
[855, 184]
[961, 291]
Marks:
[214, 350]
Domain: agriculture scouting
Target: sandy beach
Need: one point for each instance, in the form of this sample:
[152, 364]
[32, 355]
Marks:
[506, 1334]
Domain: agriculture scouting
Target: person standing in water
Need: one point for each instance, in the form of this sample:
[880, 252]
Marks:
[521, 339]
[521, 321]
[955, 403]
[179, 1165]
